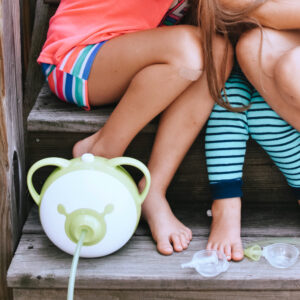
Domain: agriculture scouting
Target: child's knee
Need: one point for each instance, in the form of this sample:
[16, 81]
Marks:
[247, 47]
[188, 52]
[287, 74]
[187, 55]
[254, 51]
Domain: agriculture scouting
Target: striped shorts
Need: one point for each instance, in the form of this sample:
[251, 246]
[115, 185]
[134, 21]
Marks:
[68, 80]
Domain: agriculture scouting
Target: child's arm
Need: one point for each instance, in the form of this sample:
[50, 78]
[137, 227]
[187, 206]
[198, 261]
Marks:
[276, 14]
[279, 14]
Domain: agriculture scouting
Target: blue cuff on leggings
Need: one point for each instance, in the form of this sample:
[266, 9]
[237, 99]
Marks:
[227, 189]
[296, 192]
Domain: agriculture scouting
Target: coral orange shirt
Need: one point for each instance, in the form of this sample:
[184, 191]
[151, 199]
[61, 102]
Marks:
[85, 22]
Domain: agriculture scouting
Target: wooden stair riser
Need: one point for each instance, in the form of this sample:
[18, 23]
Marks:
[137, 266]
[50, 294]
[262, 180]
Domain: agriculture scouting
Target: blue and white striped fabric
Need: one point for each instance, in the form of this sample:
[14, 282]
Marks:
[276, 137]
[68, 80]
[228, 132]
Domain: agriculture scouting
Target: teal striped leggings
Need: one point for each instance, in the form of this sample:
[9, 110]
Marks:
[228, 132]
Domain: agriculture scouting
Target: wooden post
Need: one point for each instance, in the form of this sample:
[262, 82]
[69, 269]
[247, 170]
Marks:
[34, 77]
[13, 206]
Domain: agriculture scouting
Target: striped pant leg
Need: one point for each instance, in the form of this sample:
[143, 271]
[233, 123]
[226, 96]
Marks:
[225, 141]
[280, 140]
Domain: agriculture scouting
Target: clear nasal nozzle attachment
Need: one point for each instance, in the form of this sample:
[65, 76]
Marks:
[279, 255]
[208, 263]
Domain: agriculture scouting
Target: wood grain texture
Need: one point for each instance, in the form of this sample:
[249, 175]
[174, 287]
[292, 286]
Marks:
[12, 209]
[5, 221]
[39, 264]
[51, 114]
[34, 77]
[27, 9]
[37, 294]
[262, 180]
[258, 220]
[52, 1]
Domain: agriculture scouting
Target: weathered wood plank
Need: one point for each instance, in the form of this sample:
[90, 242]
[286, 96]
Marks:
[52, 1]
[258, 220]
[5, 221]
[12, 208]
[12, 102]
[51, 114]
[36, 294]
[39, 264]
[262, 180]
[27, 18]
[34, 77]
[55, 127]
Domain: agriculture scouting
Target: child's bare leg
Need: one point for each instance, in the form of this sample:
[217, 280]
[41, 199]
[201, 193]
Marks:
[225, 232]
[150, 69]
[225, 143]
[276, 73]
[178, 128]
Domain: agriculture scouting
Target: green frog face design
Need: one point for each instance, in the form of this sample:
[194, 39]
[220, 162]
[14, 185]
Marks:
[86, 219]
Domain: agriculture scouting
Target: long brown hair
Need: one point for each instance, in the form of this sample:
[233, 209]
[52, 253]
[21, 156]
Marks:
[213, 18]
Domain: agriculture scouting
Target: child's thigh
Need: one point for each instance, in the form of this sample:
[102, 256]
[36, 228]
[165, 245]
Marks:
[287, 75]
[119, 59]
[262, 50]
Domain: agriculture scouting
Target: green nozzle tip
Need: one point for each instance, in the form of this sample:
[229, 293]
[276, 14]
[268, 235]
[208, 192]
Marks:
[253, 252]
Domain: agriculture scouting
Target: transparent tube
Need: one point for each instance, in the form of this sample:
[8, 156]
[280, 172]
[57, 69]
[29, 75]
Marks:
[74, 266]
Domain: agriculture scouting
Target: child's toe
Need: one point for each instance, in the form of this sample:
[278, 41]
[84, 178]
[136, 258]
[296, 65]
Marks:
[187, 234]
[209, 246]
[164, 246]
[216, 246]
[237, 252]
[184, 241]
[190, 234]
[227, 252]
[176, 241]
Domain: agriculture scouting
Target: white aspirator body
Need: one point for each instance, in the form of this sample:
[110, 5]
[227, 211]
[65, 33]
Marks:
[92, 194]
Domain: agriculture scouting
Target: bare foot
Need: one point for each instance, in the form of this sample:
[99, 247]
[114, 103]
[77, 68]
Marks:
[168, 232]
[225, 232]
[85, 145]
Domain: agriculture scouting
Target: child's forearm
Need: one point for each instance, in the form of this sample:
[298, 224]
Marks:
[277, 14]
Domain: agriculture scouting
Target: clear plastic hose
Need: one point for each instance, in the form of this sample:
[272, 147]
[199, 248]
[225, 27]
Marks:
[74, 266]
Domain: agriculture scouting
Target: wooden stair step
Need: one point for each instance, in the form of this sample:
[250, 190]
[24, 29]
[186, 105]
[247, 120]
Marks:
[41, 269]
[39, 264]
[51, 114]
[258, 220]
[54, 294]
[55, 126]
